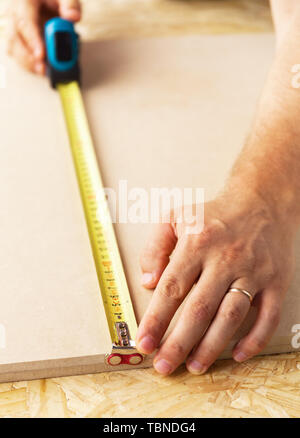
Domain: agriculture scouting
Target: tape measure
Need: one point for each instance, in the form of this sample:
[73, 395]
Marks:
[63, 70]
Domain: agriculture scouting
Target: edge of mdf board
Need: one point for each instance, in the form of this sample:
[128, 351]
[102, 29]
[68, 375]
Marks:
[284, 347]
[94, 364]
[63, 367]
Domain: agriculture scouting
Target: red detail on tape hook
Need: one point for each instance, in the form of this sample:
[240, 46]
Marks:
[115, 359]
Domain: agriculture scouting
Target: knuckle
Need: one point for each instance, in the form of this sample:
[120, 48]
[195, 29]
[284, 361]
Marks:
[266, 268]
[154, 325]
[232, 314]
[170, 288]
[200, 311]
[208, 234]
[236, 253]
[176, 349]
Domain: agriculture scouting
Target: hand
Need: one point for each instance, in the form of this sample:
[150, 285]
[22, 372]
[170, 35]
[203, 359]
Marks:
[242, 245]
[26, 20]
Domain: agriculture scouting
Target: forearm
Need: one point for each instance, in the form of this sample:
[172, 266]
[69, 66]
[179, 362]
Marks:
[269, 164]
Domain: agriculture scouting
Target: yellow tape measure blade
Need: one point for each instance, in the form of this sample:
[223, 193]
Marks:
[111, 277]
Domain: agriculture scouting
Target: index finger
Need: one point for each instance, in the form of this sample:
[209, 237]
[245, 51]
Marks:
[174, 284]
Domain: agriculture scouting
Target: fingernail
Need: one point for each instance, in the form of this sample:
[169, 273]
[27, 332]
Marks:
[146, 345]
[196, 367]
[162, 366]
[147, 278]
[240, 356]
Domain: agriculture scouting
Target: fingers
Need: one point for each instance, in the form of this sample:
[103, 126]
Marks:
[20, 51]
[269, 309]
[196, 316]
[27, 21]
[174, 284]
[24, 39]
[25, 42]
[230, 315]
[155, 256]
[70, 9]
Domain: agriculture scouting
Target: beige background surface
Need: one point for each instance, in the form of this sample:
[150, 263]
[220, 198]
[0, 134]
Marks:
[169, 112]
[108, 19]
[266, 386]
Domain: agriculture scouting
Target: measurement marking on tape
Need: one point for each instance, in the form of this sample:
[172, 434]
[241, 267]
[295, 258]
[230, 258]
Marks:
[111, 277]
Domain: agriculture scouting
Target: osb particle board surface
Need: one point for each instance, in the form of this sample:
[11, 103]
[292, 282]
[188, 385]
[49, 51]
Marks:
[268, 387]
[160, 116]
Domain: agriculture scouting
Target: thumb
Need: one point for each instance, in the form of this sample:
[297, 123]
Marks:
[70, 9]
[156, 254]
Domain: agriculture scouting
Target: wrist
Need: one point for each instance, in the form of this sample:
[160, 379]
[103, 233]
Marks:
[278, 202]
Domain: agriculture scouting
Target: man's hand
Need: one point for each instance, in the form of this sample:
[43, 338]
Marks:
[26, 20]
[247, 238]
[242, 245]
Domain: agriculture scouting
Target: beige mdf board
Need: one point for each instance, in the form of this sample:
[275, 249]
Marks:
[170, 112]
